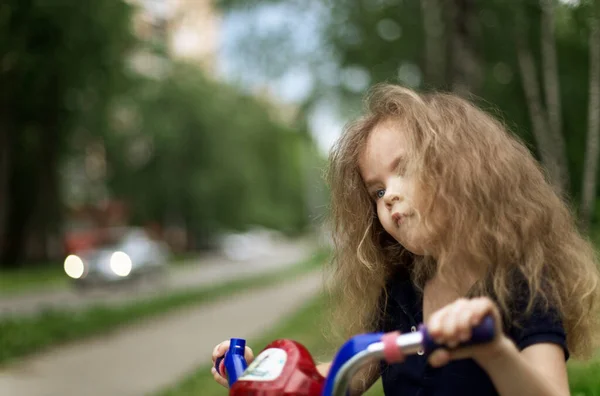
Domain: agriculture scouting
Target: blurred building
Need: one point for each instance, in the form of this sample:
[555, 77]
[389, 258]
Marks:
[185, 29]
[168, 30]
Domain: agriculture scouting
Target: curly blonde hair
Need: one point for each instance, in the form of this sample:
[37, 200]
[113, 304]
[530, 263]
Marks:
[504, 215]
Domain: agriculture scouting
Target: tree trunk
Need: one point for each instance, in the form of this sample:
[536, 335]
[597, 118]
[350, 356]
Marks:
[590, 171]
[466, 71]
[539, 120]
[4, 179]
[34, 195]
[48, 206]
[552, 91]
[22, 187]
[537, 114]
[435, 49]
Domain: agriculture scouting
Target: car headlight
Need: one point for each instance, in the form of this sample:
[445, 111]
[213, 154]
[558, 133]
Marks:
[120, 263]
[74, 266]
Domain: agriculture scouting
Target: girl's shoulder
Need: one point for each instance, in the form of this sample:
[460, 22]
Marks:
[532, 319]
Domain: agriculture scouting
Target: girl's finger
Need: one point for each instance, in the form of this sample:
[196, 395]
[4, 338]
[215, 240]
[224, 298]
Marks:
[450, 324]
[434, 325]
[248, 355]
[220, 380]
[463, 320]
[220, 349]
[481, 307]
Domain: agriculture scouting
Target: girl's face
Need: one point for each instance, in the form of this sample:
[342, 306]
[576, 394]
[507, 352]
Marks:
[383, 170]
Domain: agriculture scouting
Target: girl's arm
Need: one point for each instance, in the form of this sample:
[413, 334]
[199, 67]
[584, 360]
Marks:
[539, 370]
[361, 382]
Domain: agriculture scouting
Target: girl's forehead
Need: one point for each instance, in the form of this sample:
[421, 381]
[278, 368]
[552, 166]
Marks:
[385, 147]
[387, 138]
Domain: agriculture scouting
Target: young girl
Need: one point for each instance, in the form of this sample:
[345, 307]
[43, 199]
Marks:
[440, 216]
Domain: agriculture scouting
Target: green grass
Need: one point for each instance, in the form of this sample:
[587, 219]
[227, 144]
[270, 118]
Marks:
[305, 327]
[20, 336]
[50, 275]
[584, 378]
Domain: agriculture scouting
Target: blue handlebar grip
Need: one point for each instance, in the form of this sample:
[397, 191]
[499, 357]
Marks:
[480, 334]
[234, 361]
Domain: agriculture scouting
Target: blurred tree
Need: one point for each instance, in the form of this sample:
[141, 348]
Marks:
[451, 58]
[180, 149]
[206, 157]
[526, 61]
[435, 54]
[590, 176]
[61, 64]
[552, 92]
[546, 120]
[466, 74]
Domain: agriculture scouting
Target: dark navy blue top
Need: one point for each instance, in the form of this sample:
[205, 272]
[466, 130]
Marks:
[414, 376]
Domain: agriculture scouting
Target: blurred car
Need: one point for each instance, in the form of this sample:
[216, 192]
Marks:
[254, 243]
[121, 255]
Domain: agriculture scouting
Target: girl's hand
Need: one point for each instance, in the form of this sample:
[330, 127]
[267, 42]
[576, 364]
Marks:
[452, 325]
[220, 351]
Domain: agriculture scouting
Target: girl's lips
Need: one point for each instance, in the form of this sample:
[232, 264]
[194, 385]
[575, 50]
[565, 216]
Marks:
[398, 218]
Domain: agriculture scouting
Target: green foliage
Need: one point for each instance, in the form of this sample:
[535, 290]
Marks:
[62, 62]
[181, 148]
[353, 33]
[212, 157]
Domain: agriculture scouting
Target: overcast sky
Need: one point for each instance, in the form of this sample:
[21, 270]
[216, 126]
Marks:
[298, 81]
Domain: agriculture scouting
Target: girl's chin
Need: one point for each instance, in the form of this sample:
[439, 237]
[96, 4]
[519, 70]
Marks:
[413, 249]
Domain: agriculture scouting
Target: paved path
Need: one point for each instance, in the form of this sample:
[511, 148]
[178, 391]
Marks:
[152, 355]
[209, 269]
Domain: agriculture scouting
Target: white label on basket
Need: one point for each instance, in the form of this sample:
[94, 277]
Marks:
[266, 367]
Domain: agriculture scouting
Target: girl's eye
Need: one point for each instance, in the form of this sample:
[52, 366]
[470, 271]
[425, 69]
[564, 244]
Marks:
[379, 193]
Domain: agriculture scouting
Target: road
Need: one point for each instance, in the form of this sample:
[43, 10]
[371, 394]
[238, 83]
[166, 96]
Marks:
[149, 356]
[209, 269]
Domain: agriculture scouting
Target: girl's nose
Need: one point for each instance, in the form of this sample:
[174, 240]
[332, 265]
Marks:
[390, 197]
